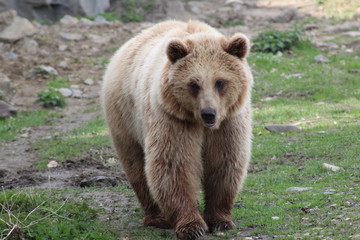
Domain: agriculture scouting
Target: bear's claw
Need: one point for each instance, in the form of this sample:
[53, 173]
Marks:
[191, 231]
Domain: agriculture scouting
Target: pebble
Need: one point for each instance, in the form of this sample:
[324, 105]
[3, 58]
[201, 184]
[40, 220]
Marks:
[77, 93]
[66, 92]
[47, 69]
[30, 46]
[321, 59]
[86, 22]
[89, 82]
[100, 19]
[52, 164]
[69, 20]
[281, 128]
[71, 36]
[62, 47]
[275, 218]
[298, 189]
[331, 167]
[10, 55]
[5, 83]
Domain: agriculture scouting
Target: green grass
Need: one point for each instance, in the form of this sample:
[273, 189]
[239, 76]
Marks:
[12, 126]
[73, 144]
[39, 214]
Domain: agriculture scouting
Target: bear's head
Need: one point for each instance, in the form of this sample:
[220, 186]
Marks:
[207, 78]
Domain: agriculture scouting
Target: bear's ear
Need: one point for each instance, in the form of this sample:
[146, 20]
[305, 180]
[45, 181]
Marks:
[176, 50]
[239, 46]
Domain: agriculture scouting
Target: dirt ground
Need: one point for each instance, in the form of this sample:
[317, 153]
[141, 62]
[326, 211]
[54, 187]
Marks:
[79, 60]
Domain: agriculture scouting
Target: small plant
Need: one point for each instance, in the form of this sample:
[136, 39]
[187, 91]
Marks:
[273, 41]
[51, 98]
[130, 14]
[58, 82]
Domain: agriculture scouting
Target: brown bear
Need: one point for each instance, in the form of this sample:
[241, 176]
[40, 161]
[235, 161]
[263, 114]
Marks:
[176, 98]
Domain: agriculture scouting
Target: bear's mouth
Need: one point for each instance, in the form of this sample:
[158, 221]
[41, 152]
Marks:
[209, 123]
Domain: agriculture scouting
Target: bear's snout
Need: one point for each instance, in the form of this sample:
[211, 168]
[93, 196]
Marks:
[208, 115]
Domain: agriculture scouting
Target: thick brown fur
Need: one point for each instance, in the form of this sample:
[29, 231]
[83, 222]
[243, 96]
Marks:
[154, 91]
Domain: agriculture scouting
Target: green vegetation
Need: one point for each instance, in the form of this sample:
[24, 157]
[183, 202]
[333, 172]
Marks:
[30, 214]
[13, 126]
[273, 41]
[73, 144]
[58, 82]
[51, 98]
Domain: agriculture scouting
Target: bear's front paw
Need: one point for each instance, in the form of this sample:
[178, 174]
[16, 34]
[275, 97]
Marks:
[191, 230]
[221, 226]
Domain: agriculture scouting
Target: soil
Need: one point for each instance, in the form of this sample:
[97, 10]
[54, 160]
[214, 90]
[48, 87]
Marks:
[80, 60]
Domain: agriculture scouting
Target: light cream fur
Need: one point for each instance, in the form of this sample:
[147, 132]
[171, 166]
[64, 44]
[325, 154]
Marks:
[156, 126]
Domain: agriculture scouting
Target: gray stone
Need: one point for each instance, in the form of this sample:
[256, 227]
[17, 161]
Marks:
[321, 59]
[89, 82]
[99, 181]
[6, 110]
[18, 29]
[10, 55]
[71, 36]
[298, 189]
[47, 69]
[66, 92]
[30, 46]
[281, 128]
[285, 16]
[77, 93]
[5, 83]
[86, 22]
[69, 20]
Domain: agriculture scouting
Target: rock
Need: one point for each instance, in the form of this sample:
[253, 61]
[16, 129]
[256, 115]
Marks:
[99, 181]
[199, 7]
[30, 46]
[66, 92]
[89, 82]
[352, 34]
[54, 10]
[321, 59]
[68, 20]
[86, 22]
[100, 20]
[331, 167]
[18, 29]
[71, 36]
[285, 16]
[10, 55]
[346, 26]
[229, 2]
[298, 189]
[5, 83]
[52, 164]
[47, 70]
[281, 128]
[77, 93]
[7, 17]
[30, 73]
[357, 14]
[275, 218]
[6, 110]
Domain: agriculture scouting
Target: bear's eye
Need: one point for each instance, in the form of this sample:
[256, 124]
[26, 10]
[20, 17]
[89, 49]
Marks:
[219, 85]
[194, 87]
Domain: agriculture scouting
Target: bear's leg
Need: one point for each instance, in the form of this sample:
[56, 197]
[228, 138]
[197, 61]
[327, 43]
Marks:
[173, 169]
[132, 158]
[226, 155]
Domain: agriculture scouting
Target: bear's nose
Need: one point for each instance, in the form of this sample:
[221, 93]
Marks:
[208, 115]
